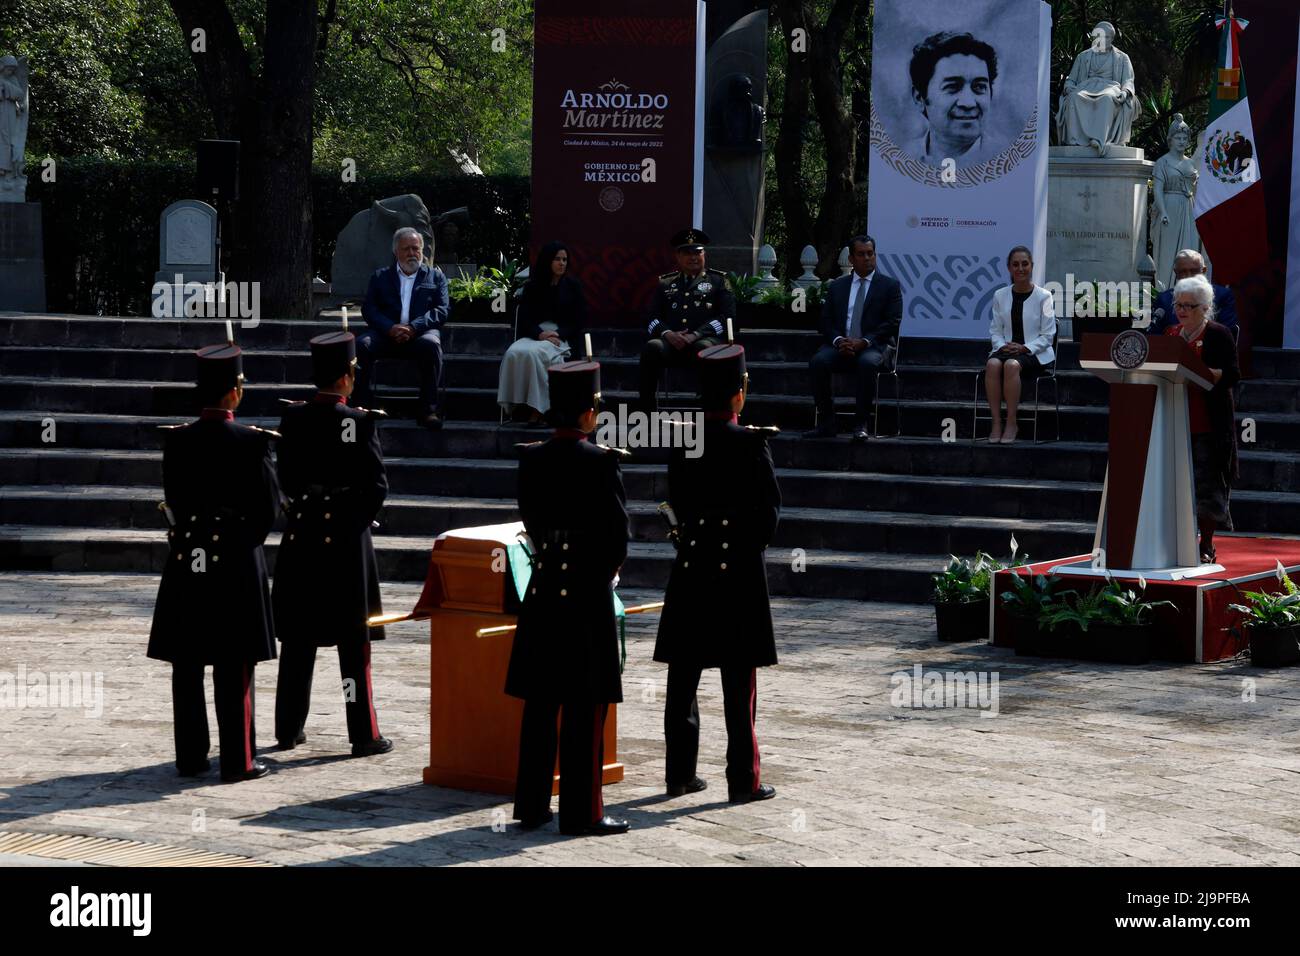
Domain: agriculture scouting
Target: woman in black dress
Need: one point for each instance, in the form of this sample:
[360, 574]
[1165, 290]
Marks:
[1214, 434]
[552, 313]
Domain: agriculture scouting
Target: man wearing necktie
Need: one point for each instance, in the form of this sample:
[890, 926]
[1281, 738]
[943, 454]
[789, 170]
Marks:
[860, 319]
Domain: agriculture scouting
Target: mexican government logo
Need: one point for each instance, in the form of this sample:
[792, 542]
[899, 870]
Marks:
[611, 199]
[1129, 349]
[1229, 156]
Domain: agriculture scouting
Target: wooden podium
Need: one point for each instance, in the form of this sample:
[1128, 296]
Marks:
[1147, 521]
[473, 724]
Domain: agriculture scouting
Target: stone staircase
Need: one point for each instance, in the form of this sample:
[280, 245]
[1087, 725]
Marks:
[869, 522]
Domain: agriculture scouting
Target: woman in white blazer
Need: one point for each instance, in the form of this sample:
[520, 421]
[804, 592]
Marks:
[1022, 330]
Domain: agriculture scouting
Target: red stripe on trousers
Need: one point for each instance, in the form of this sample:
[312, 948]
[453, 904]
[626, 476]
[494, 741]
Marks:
[753, 734]
[598, 759]
[248, 718]
[370, 695]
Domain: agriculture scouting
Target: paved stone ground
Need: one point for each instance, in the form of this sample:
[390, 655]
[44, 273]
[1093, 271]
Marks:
[1083, 763]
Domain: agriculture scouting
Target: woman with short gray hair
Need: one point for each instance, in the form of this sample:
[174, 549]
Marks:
[1211, 413]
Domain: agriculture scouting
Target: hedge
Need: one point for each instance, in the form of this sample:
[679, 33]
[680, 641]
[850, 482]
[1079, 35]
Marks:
[101, 223]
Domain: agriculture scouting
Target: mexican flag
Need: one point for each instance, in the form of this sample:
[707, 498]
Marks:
[1229, 206]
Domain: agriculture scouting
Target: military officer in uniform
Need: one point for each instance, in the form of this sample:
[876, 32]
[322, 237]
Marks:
[716, 611]
[565, 657]
[688, 314]
[214, 603]
[326, 575]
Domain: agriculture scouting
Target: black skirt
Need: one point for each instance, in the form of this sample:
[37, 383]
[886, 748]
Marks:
[1030, 367]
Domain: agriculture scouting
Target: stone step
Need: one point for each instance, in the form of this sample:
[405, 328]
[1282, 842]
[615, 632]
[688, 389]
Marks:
[1276, 363]
[823, 574]
[792, 379]
[1274, 431]
[405, 515]
[98, 449]
[105, 332]
[906, 505]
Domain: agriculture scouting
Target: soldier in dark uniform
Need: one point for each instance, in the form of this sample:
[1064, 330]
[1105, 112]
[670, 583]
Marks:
[326, 575]
[214, 603]
[565, 657]
[716, 611]
[688, 314]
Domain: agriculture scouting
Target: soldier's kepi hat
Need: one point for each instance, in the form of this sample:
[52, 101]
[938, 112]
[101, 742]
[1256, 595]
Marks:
[221, 368]
[693, 240]
[722, 372]
[575, 387]
[332, 355]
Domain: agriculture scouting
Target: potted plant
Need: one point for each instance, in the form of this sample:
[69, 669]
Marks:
[471, 299]
[1122, 635]
[761, 308]
[1273, 623]
[961, 598]
[1025, 603]
[1064, 623]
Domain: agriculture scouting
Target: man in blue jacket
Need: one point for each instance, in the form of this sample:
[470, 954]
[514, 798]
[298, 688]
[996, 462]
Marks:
[1190, 263]
[406, 305]
[861, 315]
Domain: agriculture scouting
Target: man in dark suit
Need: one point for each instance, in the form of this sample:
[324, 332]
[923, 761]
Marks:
[687, 314]
[326, 574]
[1190, 263]
[860, 320]
[565, 657]
[406, 306]
[716, 611]
[214, 603]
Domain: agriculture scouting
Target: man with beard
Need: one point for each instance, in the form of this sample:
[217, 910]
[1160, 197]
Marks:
[406, 305]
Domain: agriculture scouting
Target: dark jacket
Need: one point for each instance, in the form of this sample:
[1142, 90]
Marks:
[562, 303]
[326, 574]
[682, 304]
[716, 610]
[429, 300]
[215, 607]
[882, 313]
[1220, 351]
[574, 509]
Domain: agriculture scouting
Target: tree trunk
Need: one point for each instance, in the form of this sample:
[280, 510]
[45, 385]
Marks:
[788, 152]
[269, 237]
[282, 243]
[839, 134]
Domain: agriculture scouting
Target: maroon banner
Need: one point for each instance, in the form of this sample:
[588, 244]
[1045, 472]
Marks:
[617, 158]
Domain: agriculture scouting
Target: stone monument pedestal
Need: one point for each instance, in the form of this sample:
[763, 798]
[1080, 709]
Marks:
[1096, 224]
[22, 257]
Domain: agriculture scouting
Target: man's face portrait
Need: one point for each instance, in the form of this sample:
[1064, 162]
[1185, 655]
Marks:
[956, 102]
[690, 261]
[863, 258]
[410, 250]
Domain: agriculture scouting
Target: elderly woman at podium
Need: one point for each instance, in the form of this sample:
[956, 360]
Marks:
[552, 313]
[1023, 332]
[1214, 435]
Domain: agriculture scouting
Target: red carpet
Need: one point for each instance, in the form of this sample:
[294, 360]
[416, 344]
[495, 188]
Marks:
[1199, 627]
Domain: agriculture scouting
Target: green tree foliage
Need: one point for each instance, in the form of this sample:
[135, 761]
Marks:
[400, 84]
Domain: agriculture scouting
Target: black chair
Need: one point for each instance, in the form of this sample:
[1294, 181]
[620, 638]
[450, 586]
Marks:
[847, 382]
[1049, 378]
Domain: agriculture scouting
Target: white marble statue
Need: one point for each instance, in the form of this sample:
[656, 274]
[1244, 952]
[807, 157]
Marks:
[1099, 101]
[1174, 181]
[13, 129]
